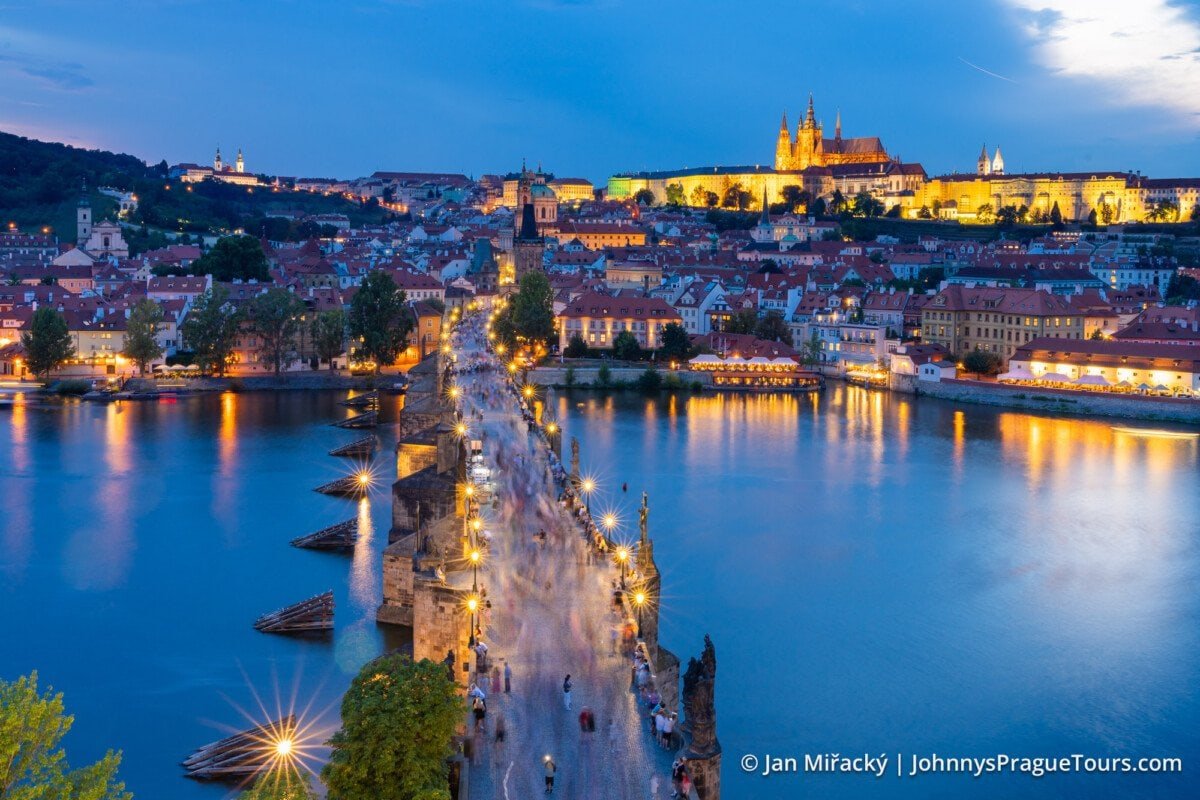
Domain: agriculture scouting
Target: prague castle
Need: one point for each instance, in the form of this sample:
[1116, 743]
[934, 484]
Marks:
[822, 166]
[810, 148]
[818, 165]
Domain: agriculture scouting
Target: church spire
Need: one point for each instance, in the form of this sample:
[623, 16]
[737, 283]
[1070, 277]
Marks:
[837, 126]
[766, 217]
[810, 117]
[783, 123]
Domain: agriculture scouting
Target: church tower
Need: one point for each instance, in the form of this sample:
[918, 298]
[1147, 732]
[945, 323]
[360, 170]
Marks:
[984, 165]
[997, 163]
[809, 148]
[528, 245]
[783, 146]
[218, 165]
[241, 162]
[83, 218]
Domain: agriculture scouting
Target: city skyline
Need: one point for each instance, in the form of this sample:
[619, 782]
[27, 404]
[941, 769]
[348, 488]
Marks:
[594, 88]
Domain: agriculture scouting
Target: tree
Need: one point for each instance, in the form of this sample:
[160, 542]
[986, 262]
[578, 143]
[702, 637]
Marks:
[794, 196]
[1007, 216]
[675, 194]
[379, 318]
[532, 308]
[837, 202]
[675, 344]
[644, 197]
[711, 199]
[737, 197]
[625, 347]
[398, 718]
[865, 205]
[818, 207]
[275, 315]
[773, 328]
[141, 334]
[329, 335]
[743, 320]
[234, 258]
[211, 329]
[1056, 217]
[982, 362]
[924, 213]
[48, 342]
[985, 213]
[1091, 217]
[810, 352]
[698, 196]
[33, 765]
[576, 347]
[650, 380]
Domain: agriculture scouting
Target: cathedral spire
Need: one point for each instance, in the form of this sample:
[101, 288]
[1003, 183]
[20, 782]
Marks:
[837, 126]
[783, 123]
[810, 117]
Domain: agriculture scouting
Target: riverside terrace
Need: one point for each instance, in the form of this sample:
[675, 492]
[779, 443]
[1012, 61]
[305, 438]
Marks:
[533, 578]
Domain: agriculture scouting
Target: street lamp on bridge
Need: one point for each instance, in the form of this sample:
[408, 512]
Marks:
[586, 487]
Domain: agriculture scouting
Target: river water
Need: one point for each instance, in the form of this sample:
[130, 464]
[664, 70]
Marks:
[879, 574]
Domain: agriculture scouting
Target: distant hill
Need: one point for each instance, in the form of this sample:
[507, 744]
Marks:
[40, 184]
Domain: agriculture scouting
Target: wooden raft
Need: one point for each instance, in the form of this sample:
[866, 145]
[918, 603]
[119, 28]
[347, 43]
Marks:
[241, 755]
[349, 486]
[313, 614]
[368, 419]
[366, 400]
[359, 447]
[342, 536]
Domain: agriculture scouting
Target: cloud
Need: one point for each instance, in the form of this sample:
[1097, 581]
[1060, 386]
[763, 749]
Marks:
[20, 57]
[1143, 53]
[63, 76]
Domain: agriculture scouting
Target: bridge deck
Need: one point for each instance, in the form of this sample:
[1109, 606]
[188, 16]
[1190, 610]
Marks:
[551, 616]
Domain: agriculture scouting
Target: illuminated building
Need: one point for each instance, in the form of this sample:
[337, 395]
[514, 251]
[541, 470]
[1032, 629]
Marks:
[997, 320]
[810, 148]
[1115, 364]
[598, 318]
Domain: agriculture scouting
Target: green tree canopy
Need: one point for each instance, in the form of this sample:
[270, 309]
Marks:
[234, 258]
[810, 351]
[397, 721]
[982, 362]
[141, 334]
[48, 342]
[774, 328]
[529, 315]
[33, 764]
[675, 342]
[379, 318]
[644, 197]
[625, 346]
[675, 194]
[329, 335]
[576, 347]
[276, 316]
[211, 328]
[744, 320]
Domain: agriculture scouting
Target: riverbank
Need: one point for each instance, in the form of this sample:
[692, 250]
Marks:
[569, 376]
[1055, 401]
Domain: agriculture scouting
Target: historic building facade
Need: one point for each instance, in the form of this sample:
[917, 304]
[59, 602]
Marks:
[810, 148]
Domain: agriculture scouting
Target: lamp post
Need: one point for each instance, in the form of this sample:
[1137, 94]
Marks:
[623, 560]
[639, 600]
[475, 557]
[473, 607]
[587, 486]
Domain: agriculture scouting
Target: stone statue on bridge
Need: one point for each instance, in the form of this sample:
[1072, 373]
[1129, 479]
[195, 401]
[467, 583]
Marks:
[574, 461]
[700, 712]
[644, 517]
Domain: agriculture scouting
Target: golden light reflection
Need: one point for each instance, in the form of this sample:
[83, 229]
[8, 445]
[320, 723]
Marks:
[227, 436]
[364, 588]
[116, 438]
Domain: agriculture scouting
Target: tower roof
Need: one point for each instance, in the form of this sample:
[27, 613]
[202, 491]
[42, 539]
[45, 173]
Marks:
[766, 217]
[810, 117]
[783, 123]
[528, 232]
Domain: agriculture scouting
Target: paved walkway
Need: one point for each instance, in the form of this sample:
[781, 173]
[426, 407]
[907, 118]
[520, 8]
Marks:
[551, 616]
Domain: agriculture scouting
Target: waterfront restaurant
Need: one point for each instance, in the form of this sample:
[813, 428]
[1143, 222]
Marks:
[1107, 365]
[758, 373]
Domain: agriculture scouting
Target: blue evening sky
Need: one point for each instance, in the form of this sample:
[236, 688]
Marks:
[589, 87]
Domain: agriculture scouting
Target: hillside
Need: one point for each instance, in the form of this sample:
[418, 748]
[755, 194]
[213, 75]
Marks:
[40, 183]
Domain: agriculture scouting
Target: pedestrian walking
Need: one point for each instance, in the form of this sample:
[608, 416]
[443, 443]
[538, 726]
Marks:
[550, 768]
[479, 708]
[654, 784]
[507, 678]
[495, 680]
[501, 728]
[567, 691]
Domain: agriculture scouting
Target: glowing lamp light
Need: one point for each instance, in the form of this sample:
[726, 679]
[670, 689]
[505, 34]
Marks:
[477, 524]
[475, 556]
[455, 392]
[587, 486]
[639, 598]
[364, 478]
[472, 604]
[622, 554]
[610, 521]
[461, 429]
[469, 491]
[512, 366]
[283, 748]
[551, 428]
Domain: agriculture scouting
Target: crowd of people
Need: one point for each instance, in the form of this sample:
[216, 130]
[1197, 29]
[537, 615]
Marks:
[530, 473]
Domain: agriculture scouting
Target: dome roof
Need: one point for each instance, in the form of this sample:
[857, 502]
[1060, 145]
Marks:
[541, 190]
